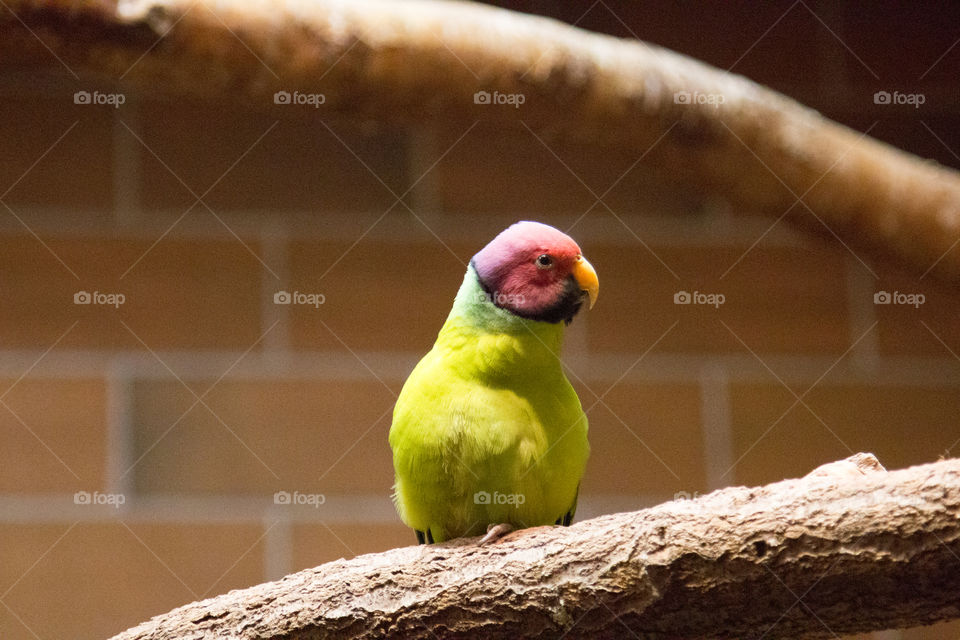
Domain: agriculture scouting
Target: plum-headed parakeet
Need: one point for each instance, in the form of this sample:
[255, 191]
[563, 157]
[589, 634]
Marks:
[487, 431]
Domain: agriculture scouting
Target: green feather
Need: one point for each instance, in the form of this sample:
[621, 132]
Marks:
[488, 413]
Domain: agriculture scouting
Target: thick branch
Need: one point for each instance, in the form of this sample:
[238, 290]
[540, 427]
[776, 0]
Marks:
[424, 60]
[863, 550]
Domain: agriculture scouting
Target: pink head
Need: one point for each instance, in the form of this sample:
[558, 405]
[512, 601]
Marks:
[536, 272]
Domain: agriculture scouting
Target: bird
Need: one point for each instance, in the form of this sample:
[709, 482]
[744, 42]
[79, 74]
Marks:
[488, 435]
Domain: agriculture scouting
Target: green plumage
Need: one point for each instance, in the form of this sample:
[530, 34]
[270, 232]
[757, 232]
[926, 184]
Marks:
[488, 412]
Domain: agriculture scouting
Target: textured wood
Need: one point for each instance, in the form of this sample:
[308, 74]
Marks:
[861, 548]
[423, 60]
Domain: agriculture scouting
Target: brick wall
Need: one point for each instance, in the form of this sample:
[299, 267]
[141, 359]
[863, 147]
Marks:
[198, 398]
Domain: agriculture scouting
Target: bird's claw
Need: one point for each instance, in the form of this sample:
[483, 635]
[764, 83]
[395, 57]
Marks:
[495, 532]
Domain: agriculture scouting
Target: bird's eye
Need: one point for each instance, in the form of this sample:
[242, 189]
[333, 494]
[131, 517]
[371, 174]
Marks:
[544, 261]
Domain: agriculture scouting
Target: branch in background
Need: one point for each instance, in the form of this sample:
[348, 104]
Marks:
[850, 548]
[422, 61]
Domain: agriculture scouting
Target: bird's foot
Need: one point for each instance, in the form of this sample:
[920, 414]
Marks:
[495, 532]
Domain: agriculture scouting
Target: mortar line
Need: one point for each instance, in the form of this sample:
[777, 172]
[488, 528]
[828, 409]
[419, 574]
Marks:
[275, 248]
[717, 424]
[277, 548]
[127, 174]
[119, 418]
[330, 364]
[862, 313]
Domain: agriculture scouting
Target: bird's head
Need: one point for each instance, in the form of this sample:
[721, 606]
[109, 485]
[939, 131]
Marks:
[535, 271]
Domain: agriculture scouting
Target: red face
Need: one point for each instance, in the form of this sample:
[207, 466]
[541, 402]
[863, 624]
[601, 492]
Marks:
[536, 272]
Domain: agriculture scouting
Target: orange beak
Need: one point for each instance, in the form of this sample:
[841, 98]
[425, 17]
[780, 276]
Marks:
[585, 275]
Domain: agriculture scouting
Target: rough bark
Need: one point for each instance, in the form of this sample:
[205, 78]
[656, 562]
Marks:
[862, 550]
[423, 61]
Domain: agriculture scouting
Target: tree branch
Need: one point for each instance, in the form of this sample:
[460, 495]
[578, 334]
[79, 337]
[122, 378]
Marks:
[423, 60]
[850, 548]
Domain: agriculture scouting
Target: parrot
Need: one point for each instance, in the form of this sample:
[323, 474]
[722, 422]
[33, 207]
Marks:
[488, 434]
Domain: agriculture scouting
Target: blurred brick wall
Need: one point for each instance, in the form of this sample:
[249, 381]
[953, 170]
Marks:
[199, 398]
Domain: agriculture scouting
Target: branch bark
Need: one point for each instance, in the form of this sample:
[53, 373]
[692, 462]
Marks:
[849, 548]
[422, 61]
